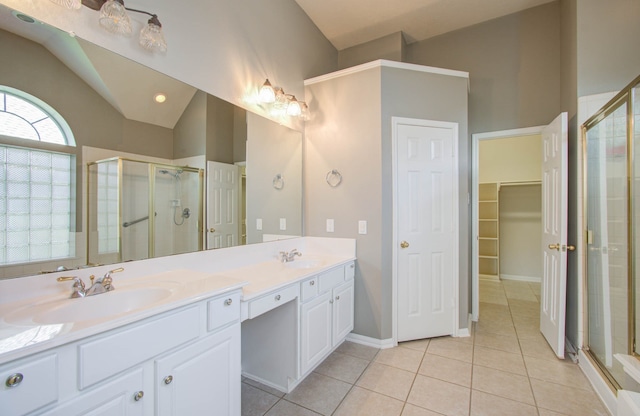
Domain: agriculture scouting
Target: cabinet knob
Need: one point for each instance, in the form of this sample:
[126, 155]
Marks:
[277, 297]
[228, 301]
[353, 266]
[168, 379]
[331, 301]
[138, 395]
[337, 297]
[311, 283]
[14, 380]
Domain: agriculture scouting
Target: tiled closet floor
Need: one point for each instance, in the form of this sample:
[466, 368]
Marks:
[505, 368]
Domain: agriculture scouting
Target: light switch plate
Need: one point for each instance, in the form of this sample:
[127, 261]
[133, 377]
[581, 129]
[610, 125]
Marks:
[330, 225]
[283, 224]
[362, 227]
[259, 224]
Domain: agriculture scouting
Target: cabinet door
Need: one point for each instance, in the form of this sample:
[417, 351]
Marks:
[342, 311]
[115, 398]
[202, 378]
[315, 331]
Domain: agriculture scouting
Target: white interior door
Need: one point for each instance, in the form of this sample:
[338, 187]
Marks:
[222, 205]
[426, 216]
[554, 232]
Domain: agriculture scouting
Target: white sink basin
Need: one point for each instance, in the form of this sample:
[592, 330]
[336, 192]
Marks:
[304, 264]
[117, 302]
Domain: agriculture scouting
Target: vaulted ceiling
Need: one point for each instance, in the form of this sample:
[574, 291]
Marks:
[348, 23]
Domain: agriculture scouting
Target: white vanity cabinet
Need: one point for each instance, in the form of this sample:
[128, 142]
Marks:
[326, 314]
[201, 379]
[181, 362]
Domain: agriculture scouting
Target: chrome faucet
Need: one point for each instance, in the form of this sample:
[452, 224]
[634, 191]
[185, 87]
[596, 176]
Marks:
[290, 256]
[102, 285]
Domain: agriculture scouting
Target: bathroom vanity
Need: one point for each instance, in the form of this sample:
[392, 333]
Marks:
[175, 342]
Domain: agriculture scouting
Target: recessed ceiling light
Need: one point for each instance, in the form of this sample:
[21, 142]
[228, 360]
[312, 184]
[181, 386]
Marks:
[160, 98]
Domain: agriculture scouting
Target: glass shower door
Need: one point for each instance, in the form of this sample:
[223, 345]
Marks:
[177, 200]
[607, 211]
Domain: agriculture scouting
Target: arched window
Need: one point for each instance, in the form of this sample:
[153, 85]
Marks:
[27, 117]
[37, 186]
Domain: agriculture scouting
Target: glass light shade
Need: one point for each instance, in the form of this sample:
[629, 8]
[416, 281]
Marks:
[281, 101]
[304, 111]
[69, 4]
[114, 18]
[267, 93]
[152, 39]
[293, 109]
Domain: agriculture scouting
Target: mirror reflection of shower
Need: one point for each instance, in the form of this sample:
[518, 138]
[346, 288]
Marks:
[176, 203]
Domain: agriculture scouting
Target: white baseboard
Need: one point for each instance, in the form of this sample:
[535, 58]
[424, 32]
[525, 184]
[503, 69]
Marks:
[600, 386]
[520, 278]
[465, 332]
[371, 342]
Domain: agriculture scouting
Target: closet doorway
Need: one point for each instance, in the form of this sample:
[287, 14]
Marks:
[507, 204]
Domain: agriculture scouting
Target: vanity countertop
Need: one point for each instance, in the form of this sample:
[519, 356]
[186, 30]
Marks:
[268, 276]
[30, 325]
[22, 333]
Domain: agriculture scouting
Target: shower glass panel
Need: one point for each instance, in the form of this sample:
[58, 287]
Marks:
[607, 239]
[138, 210]
[176, 199]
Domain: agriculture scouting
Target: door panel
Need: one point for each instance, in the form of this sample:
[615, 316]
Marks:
[222, 205]
[426, 215]
[554, 232]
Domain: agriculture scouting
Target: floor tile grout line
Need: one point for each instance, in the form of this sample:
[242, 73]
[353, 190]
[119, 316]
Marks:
[354, 383]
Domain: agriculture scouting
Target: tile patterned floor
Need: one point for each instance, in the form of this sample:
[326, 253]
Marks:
[505, 368]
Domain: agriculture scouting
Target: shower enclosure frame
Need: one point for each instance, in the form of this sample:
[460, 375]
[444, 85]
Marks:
[151, 169]
[624, 97]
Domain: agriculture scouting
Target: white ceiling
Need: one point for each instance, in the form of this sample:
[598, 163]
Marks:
[348, 23]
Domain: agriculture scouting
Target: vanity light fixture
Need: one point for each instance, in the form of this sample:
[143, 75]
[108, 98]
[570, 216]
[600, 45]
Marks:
[293, 109]
[282, 103]
[160, 98]
[267, 93]
[114, 18]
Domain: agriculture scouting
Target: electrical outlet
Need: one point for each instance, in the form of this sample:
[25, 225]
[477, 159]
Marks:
[283, 224]
[330, 225]
[259, 224]
[362, 227]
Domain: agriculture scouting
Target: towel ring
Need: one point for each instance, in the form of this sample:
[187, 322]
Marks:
[334, 178]
[278, 181]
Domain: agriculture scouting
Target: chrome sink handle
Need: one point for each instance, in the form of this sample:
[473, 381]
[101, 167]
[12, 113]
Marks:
[78, 286]
[104, 283]
[290, 256]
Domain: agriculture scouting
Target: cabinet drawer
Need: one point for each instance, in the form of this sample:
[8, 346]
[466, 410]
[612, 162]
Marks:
[331, 279]
[272, 300]
[35, 384]
[309, 289]
[223, 310]
[122, 349]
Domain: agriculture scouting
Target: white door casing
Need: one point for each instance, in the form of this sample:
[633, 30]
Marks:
[222, 205]
[554, 232]
[425, 252]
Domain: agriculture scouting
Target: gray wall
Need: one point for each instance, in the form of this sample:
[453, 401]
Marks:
[390, 47]
[190, 132]
[569, 103]
[220, 125]
[273, 149]
[356, 140]
[514, 64]
[608, 34]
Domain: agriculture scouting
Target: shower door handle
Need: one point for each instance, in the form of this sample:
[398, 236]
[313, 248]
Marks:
[212, 230]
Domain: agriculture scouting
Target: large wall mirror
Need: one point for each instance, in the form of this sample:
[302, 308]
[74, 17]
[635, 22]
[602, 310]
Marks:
[232, 176]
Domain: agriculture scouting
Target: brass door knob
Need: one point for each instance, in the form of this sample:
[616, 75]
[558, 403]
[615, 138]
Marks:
[404, 244]
[554, 247]
[571, 247]
[212, 230]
